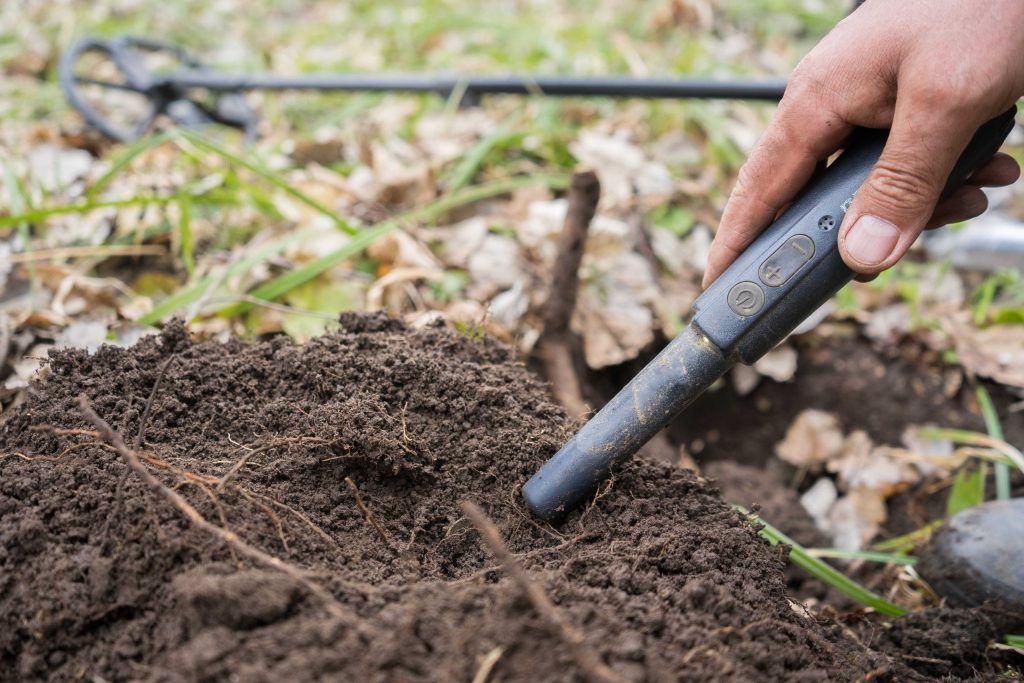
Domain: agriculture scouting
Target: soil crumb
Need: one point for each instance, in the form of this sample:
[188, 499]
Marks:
[102, 579]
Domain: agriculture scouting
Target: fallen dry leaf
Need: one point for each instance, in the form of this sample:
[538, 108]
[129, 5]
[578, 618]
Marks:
[916, 442]
[856, 518]
[399, 249]
[54, 168]
[456, 243]
[493, 266]
[744, 379]
[862, 465]
[819, 499]
[508, 307]
[996, 352]
[778, 364]
[622, 167]
[889, 323]
[613, 311]
[813, 439]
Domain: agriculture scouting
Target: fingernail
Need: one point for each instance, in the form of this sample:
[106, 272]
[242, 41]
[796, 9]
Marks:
[871, 240]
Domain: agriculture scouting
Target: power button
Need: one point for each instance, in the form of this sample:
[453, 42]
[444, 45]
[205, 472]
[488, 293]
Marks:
[745, 298]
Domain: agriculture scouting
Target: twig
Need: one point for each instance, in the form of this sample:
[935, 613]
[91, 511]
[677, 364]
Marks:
[241, 463]
[587, 659]
[269, 513]
[149, 403]
[229, 538]
[487, 664]
[368, 513]
[104, 251]
[323, 534]
[287, 441]
[555, 344]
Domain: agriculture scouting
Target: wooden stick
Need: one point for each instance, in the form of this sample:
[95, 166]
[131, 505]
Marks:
[229, 538]
[588, 660]
[555, 344]
[584, 194]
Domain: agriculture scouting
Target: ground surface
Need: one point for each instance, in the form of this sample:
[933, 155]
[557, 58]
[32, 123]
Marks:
[102, 578]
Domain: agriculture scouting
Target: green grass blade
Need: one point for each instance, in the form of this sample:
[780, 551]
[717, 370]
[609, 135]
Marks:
[467, 168]
[909, 541]
[179, 300]
[285, 283]
[268, 175]
[799, 556]
[18, 200]
[188, 256]
[968, 489]
[867, 555]
[995, 430]
[36, 215]
[1015, 641]
[136, 149]
[1002, 451]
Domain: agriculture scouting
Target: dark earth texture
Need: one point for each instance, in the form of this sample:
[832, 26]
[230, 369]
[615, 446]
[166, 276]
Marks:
[102, 579]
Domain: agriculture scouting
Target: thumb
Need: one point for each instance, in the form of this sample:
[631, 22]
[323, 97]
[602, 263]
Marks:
[897, 200]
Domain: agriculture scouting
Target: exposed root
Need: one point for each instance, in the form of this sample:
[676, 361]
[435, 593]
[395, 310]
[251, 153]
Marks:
[487, 664]
[250, 452]
[587, 659]
[603, 491]
[405, 433]
[48, 458]
[220, 511]
[369, 513]
[229, 538]
[320, 532]
[269, 513]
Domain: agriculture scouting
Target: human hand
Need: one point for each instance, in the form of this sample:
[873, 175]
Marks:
[932, 71]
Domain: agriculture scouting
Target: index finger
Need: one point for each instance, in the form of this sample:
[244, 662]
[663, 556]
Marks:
[803, 132]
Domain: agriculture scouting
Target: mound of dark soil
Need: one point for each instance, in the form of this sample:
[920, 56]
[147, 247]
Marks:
[100, 577]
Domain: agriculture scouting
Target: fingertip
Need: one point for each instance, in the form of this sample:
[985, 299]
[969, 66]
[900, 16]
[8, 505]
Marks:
[713, 269]
[870, 245]
[965, 203]
[999, 171]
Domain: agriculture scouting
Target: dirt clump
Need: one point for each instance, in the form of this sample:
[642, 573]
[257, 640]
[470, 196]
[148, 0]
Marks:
[100, 577]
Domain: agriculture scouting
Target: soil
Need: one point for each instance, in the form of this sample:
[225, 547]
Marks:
[102, 579]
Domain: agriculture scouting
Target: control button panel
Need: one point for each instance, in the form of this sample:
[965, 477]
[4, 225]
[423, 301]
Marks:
[787, 259]
[746, 298]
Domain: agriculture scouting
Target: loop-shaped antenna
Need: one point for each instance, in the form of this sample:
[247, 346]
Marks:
[162, 93]
[70, 82]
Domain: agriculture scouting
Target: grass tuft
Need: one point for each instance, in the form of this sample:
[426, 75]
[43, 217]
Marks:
[801, 557]
[995, 430]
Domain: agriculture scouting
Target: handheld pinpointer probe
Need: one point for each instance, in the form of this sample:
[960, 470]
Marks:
[790, 270]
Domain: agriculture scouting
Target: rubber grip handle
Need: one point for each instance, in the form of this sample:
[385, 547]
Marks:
[794, 266]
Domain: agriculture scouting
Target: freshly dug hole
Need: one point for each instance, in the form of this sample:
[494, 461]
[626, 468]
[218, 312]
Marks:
[100, 577]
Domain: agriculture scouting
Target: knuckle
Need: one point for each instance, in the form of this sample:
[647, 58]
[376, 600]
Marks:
[808, 82]
[957, 95]
[898, 188]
